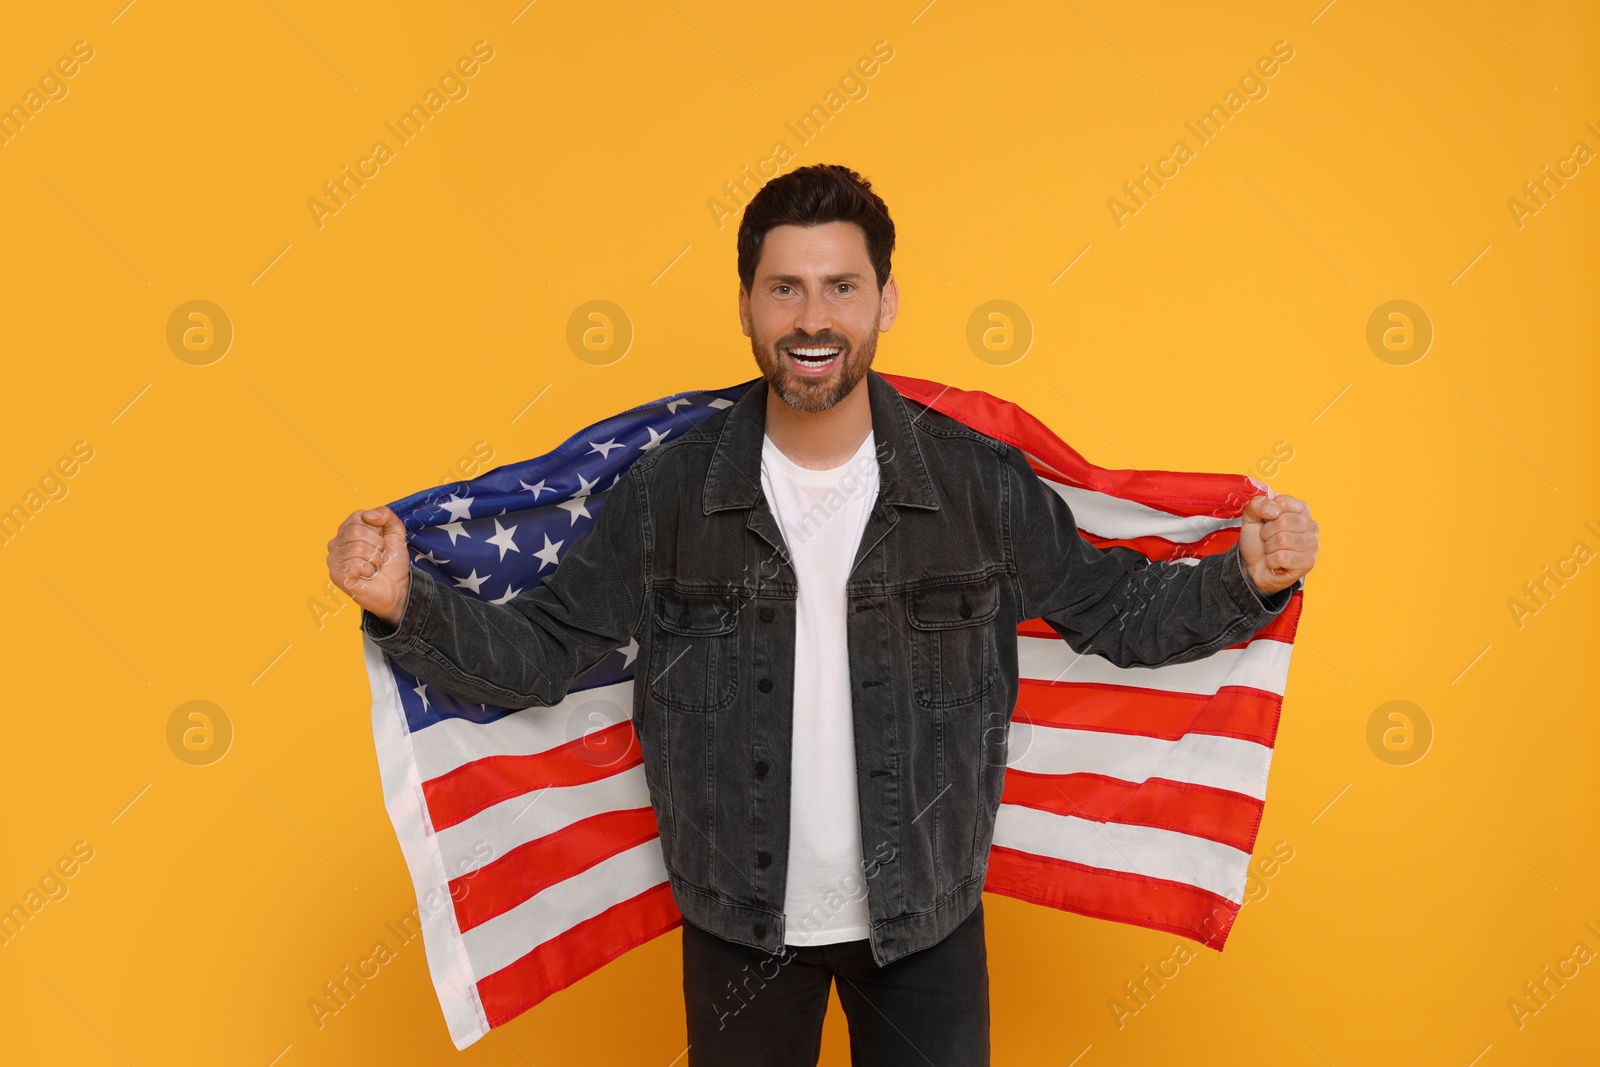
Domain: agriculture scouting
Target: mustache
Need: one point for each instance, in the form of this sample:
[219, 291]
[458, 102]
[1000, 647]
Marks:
[820, 341]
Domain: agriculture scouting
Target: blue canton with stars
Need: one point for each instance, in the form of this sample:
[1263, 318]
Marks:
[505, 531]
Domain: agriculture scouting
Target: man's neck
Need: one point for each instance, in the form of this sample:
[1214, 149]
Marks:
[820, 440]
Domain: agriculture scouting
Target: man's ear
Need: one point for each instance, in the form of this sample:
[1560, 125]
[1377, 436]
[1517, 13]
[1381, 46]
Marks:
[744, 310]
[890, 306]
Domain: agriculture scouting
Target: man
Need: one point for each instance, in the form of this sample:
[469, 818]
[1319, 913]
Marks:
[825, 581]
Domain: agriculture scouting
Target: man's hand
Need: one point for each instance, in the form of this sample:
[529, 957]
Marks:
[1278, 542]
[367, 558]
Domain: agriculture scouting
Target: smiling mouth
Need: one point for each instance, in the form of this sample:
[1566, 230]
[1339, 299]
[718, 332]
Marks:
[813, 359]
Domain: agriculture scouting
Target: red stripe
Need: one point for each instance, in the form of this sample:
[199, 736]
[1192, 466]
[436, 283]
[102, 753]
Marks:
[1235, 710]
[530, 868]
[576, 952]
[457, 795]
[1154, 903]
[1198, 810]
[1220, 512]
[1216, 495]
[1282, 626]
[1159, 548]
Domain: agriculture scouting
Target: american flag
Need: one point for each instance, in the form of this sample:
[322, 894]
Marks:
[1131, 794]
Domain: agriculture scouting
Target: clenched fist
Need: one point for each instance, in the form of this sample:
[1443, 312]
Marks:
[1278, 542]
[367, 559]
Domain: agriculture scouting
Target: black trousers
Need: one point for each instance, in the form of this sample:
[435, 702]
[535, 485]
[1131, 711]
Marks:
[754, 1009]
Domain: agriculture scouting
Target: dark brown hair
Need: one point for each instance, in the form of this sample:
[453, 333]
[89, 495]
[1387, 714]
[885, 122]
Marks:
[811, 196]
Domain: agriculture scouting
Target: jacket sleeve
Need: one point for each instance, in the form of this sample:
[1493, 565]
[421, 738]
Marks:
[527, 651]
[1114, 601]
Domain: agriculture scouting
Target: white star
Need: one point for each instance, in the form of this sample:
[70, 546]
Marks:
[655, 439]
[629, 651]
[604, 447]
[459, 507]
[579, 504]
[615, 480]
[472, 581]
[672, 405]
[502, 538]
[510, 592]
[536, 488]
[455, 530]
[720, 403]
[430, 557]
[547, 554]
[422, 691]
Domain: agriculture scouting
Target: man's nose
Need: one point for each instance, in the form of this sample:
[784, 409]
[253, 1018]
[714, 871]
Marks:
[813, 316]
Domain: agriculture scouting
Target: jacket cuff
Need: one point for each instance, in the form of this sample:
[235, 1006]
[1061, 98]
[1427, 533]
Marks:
[1250, 600]
[419, 605]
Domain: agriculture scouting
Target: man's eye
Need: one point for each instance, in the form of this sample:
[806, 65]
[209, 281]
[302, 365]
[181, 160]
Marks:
[781, 288]
[846, 285]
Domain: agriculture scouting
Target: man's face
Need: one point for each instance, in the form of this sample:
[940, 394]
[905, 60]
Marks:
[816, 296]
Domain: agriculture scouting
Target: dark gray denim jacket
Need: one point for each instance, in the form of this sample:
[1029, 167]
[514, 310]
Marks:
[963, 543]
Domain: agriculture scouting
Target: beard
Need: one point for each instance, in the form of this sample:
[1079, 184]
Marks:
[815, 394]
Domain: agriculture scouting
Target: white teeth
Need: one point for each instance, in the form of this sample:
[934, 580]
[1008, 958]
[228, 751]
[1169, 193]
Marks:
[815, 353]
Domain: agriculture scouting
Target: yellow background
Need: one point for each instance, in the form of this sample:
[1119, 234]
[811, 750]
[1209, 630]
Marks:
[370, 354]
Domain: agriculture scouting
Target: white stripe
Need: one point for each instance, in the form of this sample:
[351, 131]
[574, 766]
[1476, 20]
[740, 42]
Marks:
[1262, 664]
[451, 743]
[1200, 759]
[1166, 854]
[497, 830]
[448, 963]
[512, 934]
[1110, 516]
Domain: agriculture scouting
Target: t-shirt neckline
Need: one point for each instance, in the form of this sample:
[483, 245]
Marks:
[827, 476]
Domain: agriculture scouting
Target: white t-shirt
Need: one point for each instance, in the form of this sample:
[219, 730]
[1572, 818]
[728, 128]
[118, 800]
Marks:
[822, 514]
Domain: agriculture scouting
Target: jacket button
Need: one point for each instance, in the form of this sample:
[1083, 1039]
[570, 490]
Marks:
[966, 610]
[763, 859]
[759, 929]
[765, 685]
[761, 768]
[766, 614]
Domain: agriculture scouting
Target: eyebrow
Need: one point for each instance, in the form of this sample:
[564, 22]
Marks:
[795, 279]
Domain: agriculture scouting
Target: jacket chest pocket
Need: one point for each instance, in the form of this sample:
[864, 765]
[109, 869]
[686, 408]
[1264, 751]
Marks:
[952, 641]
[694, 650]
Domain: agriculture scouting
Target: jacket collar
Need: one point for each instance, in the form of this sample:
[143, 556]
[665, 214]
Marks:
[733, 479]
